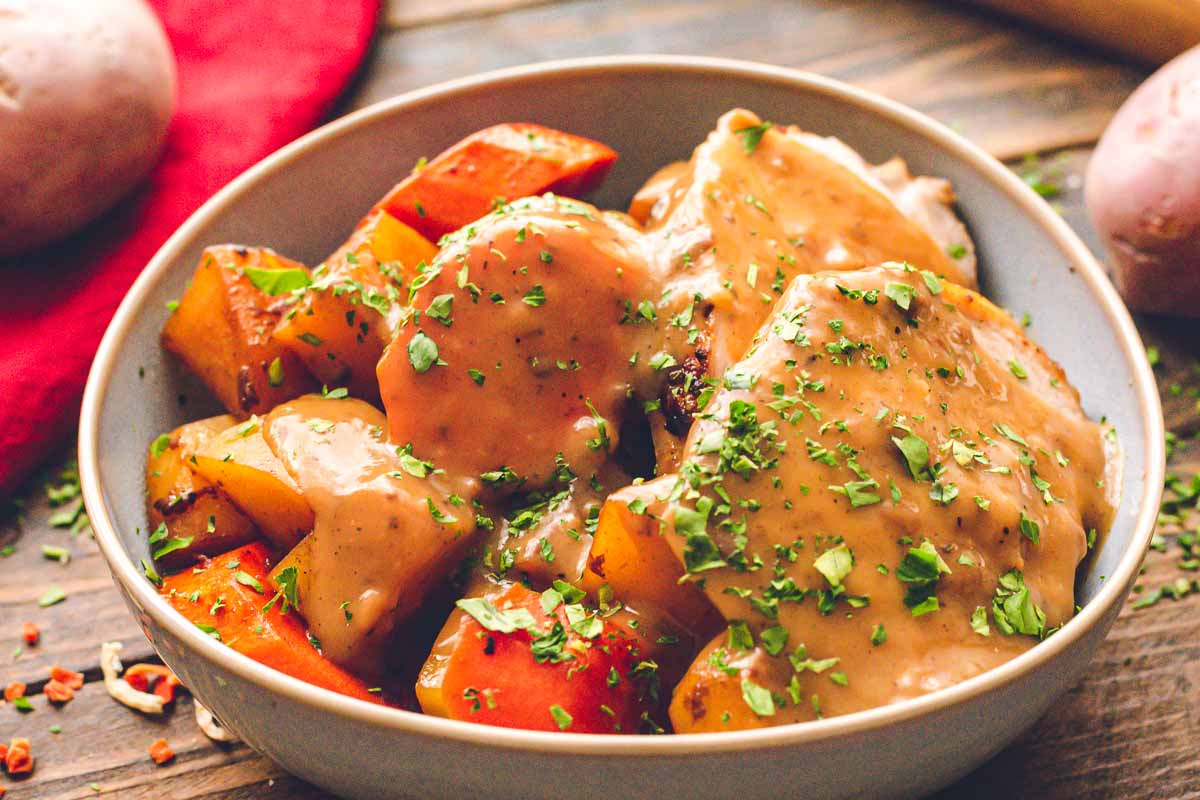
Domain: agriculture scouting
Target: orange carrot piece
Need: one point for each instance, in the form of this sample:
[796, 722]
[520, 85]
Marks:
[505, 162]
[14, 690]
[72, 680]
[58, 692]
[30, 633]
[582, 685]
[242, 620]
[161, 752]
[19, 759]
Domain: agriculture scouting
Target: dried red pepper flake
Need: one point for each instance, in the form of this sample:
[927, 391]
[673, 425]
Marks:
[18, 760]
[155, 678]
[58, 692]
[30, 633]
[72, 680]
[161, 752]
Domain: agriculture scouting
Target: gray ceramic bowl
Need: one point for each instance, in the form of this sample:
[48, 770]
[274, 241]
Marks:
[304, 198]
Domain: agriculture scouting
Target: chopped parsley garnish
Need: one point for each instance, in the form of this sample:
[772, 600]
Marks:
[901, 294]
[160, 445]
[758, 698]
[751, 135]
[422, 352]
[561, 718]
[277, 281]
[1029, 528]
[535, 297]
[1013, 610]
[835, 564]
[921, 568]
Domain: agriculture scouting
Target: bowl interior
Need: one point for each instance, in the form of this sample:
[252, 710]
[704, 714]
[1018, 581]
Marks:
[303, 201]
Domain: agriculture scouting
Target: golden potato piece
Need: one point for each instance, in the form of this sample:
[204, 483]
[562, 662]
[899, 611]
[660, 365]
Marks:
[340, 326]
[192, 507]
[222, 329]
[716, 692]
[240, 463]
[630, 555]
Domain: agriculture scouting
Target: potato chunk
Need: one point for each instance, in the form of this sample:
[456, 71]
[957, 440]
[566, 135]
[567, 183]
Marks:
[341, 325]
[240, 463]
[630, 555]
[222, 328]
[192, 507]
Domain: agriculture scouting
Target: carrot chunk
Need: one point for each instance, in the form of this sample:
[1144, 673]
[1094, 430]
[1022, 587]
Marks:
[14, 690]
[568, 671]
[229, 597]
[30, 633]
[503, 162]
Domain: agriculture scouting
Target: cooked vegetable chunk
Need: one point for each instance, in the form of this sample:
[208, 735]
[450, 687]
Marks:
[497, 164]
[240, 463]
[188, 515]
[388, 526]
[232, 599]
[522, 312]
[631, 557]
[343, 320]
[504, 660]
[222, 328]
[725, 689]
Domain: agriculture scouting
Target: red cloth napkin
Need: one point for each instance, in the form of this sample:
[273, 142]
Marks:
[253, 75]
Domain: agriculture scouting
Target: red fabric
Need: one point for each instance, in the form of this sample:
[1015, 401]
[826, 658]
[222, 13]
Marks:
[253, 75]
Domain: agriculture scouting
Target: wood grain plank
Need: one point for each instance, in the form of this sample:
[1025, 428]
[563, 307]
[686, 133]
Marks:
[413, 13]
[72, 630]
[105, 743]
[1009, 88]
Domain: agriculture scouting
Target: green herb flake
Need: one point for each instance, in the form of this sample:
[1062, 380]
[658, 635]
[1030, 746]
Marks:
[901, 294]
[277, 281]
[979, 622]
[751, 135]
[758, 698]
[835, 564]
[1029, 528]
[561, 718]
[160, 445]
[52, 596]
[535, 297]
[275, 374]
[422, 352]
[246, 579]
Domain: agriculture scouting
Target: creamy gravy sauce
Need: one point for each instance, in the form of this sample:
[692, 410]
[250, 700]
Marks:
[375, 547]
[846, 377]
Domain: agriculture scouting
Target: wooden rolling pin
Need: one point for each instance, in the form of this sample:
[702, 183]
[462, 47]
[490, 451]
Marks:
[1150, 31]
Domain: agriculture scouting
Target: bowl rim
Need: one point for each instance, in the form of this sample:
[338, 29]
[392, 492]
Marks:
[218, 656]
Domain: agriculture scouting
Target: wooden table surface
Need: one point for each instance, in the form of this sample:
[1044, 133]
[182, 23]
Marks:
[1128, 730]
